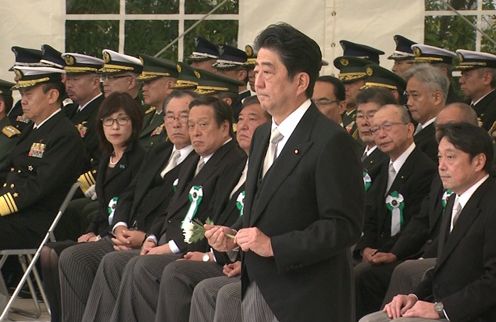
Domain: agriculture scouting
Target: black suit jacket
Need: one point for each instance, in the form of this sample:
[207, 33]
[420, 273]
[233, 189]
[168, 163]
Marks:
[412, 182]
[86, 122]
[148, 195]
[373, 163]
[112, 183]
[464, 278]
[420, 235]
[426, 141]
[310, 203]
[217, 179]
[44, 164]
[486, 110]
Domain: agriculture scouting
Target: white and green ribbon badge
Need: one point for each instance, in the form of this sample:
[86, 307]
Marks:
[195, 198]
[395, 203]
[111, 209]
[367, 180]
[444, 200]
[174, 184]
[240, 203]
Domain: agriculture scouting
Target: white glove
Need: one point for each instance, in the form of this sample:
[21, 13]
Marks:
[91, 192]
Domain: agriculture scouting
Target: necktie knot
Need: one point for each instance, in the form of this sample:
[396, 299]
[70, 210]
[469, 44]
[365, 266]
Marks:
[200, 165]
[271, 155]
[391, 176]
[457, 209]
[275, 136]
[173, 161]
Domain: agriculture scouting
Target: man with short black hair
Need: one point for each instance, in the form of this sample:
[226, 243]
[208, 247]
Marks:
[329, 96]
[304, 195]
[462, 284]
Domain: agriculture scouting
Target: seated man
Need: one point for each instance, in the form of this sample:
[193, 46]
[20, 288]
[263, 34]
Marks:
[44, 163]
[461, 286]
[393, 199]
[8, 132]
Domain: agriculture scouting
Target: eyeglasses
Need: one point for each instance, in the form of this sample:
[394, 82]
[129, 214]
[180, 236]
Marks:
[181, 118]
[386, 127]
[367, 116]
[121, 121]
[107, 77]
[325, 102]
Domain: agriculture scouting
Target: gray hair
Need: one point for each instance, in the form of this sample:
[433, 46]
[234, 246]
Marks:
[404, 115]
[431, 76]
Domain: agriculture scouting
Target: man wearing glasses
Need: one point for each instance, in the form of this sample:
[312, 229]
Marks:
[329, 96]
[396, 195]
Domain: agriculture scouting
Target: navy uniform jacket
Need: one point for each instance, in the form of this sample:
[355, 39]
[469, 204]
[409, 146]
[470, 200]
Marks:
[486, 110]
[44, 164]
[310, 203]
[112, 182]
[9, 135]
[86, 122]
[217, 179]
[464, 278]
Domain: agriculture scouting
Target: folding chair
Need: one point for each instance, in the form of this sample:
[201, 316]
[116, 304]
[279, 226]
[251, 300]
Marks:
[31, 256]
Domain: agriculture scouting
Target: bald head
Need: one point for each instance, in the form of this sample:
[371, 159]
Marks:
[456, 113]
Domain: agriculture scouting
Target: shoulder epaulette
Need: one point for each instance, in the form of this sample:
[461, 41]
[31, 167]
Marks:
[10, 131]
[150, 110]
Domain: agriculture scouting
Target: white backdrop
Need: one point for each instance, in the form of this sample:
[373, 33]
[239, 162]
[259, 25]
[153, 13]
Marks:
[371, 22]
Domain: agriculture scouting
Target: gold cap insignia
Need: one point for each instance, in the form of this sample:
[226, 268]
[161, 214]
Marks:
[197, 74]
[106, 57]
[369, 71]
[344, 61]
[179, 68]
[18, 73]
[460, 57]
[249, 50]
[142, 60]
[69, 60]
[417, 52]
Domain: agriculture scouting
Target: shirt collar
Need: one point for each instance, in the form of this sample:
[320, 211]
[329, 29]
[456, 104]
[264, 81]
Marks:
[183, 153]
[429, 122]
[81, 107]
[207, 157]
[480, 99]
[288, 125]
[465, 197]
[37, 126]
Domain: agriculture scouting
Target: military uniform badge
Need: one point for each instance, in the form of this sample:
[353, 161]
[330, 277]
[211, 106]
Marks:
[82, 129]
[158, 130]
[37, 150]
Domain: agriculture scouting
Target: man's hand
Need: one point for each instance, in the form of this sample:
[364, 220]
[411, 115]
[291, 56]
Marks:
[253, 239]
[422, 309]
[147, 245]
[367, 254]
[383, 258]
[231, 270]
[194, 256]
[125, 239]
[399, 305]
[218, 239]
[159, 250]
[86, 237]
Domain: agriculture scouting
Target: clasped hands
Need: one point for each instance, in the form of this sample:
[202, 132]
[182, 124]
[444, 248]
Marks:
[248, 239]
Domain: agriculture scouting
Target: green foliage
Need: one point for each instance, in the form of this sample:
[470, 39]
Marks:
[216, 31]
[152, 6]
[450, 32]
[204, 6]
[91, 37]
[91, 6]
[150, 36]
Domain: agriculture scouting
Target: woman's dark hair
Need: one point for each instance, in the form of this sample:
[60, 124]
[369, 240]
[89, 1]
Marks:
[113, 103]
[222, 111]
[469, 138]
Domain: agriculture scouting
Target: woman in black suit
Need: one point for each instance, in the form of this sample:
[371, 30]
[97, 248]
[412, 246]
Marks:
[118, 126]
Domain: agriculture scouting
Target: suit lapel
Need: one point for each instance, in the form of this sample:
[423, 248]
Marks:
[294, 149]
[469, 213]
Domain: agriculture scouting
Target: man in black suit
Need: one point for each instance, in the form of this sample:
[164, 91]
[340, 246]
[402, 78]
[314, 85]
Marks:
[44, 163]
[478, 83]
[146, 198]
[395, 196]
[329, 96]
[203, 189]
[368, 102]
[426, 90]
[303, 210]
[461, 286]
